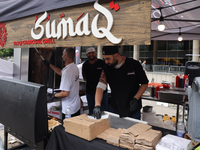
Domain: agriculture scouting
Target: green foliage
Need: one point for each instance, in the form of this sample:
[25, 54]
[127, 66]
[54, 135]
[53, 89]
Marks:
[6, 52]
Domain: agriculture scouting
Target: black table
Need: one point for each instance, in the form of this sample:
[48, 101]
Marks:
[61, 140]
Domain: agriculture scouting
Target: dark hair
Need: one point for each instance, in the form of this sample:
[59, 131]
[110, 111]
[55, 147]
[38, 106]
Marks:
[71, 52]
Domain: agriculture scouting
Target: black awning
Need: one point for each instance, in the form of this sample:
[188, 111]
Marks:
[14, 9]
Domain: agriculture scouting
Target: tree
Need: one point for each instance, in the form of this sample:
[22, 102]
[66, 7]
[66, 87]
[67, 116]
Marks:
[6, 52]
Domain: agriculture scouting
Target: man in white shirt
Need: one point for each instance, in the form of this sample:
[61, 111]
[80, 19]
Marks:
[69, 84]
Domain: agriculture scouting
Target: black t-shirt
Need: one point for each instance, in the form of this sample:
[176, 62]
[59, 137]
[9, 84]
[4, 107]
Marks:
[124, 83]
[92, 72]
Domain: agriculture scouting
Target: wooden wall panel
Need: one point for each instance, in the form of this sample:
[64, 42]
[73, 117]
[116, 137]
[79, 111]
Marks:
[131, 22]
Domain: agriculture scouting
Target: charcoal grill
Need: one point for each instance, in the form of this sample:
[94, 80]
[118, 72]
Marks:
[23, 111]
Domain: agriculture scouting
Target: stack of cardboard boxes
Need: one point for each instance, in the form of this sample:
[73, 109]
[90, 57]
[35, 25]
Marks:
[139, 136]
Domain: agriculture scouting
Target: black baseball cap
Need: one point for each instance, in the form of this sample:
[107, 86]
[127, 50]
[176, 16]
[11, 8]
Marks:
[110, 50]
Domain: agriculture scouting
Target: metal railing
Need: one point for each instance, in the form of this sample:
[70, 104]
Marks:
[168, 69]
[159, 77]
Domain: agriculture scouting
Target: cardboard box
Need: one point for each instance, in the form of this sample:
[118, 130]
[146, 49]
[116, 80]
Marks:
[84, 127]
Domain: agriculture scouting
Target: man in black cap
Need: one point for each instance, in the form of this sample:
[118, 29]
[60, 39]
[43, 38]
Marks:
[127, 81]
[91, 72]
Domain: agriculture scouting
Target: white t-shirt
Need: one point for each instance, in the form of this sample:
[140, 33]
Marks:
[70, 82]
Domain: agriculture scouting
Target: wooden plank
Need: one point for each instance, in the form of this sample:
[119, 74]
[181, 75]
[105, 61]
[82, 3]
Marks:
[132, 23]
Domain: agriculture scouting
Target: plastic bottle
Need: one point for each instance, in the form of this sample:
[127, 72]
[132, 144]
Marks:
[152, 91]
[184, 77]
[186, 81]
[181, 82]
[157, 89]
[68, 113]
[81, 110]
[177, 80]
[173, 81]
[180, 128]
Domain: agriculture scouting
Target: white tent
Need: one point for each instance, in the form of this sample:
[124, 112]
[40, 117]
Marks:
[6, 68]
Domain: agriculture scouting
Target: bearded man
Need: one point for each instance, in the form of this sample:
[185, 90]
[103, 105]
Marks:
[69, 84]
[91, 72]
[127, 82]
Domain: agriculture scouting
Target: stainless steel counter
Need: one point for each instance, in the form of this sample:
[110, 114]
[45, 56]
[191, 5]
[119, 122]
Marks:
[126, 122]
[176, 96]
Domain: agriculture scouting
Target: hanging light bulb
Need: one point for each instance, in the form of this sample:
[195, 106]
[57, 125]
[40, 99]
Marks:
[180, 38]
[161, 26]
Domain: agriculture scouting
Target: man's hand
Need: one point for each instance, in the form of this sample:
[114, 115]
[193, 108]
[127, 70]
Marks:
[46, 63]
[133, 104]
[53, 97]
[97, 112]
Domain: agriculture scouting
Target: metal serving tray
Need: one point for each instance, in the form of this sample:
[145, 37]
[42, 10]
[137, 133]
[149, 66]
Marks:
[116, 122]
[171, 96]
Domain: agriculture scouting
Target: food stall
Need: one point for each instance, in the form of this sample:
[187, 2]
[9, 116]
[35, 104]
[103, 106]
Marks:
[81, 24]
[91, 23]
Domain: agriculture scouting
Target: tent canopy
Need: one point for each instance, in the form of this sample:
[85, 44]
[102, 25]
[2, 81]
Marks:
[14, 9]
[179, 15]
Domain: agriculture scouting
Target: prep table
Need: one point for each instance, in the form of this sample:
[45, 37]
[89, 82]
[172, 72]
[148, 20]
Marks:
[177, 96]
[62, 140]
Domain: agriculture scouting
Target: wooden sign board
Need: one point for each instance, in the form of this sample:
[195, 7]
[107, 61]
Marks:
[131, 23]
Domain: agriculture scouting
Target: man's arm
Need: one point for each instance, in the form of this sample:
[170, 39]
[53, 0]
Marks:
[57, 70]
[98, 96]
[48, 64]
[141, 90]
[133, 101]
[62, 94]
[101, 86]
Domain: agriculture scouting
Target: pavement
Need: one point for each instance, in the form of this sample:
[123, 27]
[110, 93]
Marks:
[12, 141]
[159, 109]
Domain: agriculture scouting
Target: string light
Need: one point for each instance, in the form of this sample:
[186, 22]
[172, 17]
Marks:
[161, 26]
[180, 38]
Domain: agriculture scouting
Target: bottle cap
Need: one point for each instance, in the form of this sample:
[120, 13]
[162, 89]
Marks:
[180, 120]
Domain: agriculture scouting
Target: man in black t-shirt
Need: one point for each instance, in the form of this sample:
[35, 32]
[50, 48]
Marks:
[127, 81]
[91, 72]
